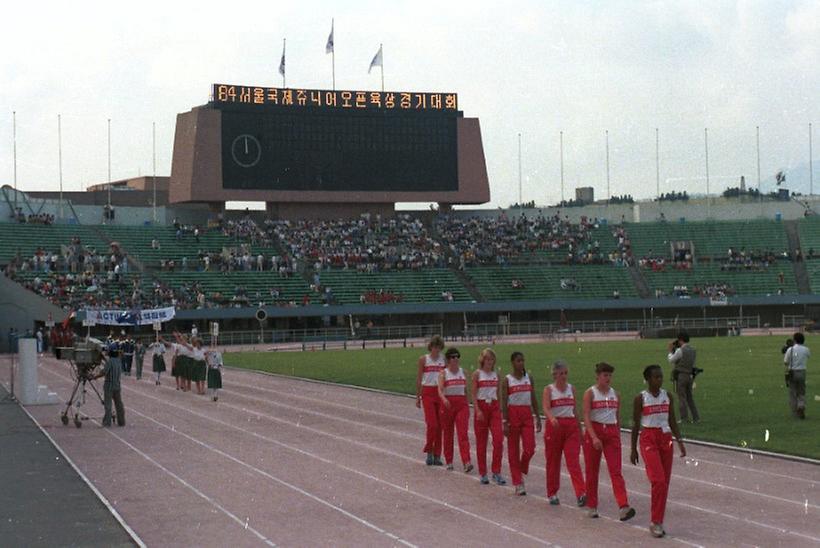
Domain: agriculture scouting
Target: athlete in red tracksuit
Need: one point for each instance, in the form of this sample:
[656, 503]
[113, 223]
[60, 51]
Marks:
[602, 434]
[653, 416]
[485, 388]
[562, 434]
[429, 367]
[518, 405]
[455, 411]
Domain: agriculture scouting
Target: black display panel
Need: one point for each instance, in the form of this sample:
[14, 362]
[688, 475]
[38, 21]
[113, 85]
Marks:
[271, 148]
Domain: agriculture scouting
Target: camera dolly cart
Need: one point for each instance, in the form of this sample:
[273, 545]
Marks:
[84, 362]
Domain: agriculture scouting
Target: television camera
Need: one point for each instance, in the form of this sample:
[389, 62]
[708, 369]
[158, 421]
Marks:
[85, 359]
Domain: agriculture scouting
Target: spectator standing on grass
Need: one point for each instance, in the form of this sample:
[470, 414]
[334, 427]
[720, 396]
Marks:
[429, 367]
[653, 419]
[682, 359]
[795, 360]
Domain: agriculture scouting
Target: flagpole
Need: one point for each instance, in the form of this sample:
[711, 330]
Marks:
[154, 165]
[285, 68]
[561, 135]
[333, 51]
[382, 65]
[520, 188]
[109, 166]
[608, 193]
[60, 161]
[14, 145]
[811, 171]
[657, 165]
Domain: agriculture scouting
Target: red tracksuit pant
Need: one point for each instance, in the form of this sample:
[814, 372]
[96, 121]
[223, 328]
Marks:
[610, 436]
[456, 418]
[564, 438]
[432, 410]
[521, 428]
[491, 423]
[657, 452]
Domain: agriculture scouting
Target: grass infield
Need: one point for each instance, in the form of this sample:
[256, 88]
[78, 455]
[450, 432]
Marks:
[741, 395]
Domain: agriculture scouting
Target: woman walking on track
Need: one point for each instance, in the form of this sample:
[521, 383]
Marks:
[455, 412]
[602, 434]
[429, 367]
[487, 417]
[518, 405]
[157, 361]
[213, 358]
[653, 416]
[562, 433]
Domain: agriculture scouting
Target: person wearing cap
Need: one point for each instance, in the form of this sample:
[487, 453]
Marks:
[112, 390]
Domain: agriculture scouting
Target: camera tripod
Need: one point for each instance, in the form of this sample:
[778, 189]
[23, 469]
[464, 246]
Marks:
[83, 378]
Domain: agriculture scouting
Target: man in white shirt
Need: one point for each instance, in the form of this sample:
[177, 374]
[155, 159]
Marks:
[795, 360]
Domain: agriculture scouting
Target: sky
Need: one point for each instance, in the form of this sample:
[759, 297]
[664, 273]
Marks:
[535, 68]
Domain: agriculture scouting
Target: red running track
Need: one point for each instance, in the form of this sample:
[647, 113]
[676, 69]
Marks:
[282, 461]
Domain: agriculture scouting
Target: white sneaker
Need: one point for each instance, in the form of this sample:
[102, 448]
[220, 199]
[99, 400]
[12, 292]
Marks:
[592, 513]
[627, 512]
[520, 491]
[656, 530]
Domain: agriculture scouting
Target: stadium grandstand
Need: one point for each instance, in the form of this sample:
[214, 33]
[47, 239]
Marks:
[331, 250]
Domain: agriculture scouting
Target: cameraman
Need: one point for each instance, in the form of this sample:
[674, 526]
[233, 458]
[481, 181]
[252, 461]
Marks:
[682, 357]
[795, 360]
[111, 387]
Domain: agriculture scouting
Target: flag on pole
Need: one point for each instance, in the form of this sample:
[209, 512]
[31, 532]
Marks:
[780, 177]
[329, 46]
[282, 62]
[377, 60]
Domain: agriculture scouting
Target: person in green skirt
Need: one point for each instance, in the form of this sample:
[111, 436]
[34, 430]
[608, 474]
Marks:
[157, 349]
[195, 368]
[213, 358]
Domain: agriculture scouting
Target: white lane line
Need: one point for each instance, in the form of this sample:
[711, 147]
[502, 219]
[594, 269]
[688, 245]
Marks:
[281, 482]
[378, 449]
[373, 448]
[202, 495]
[133, 534]
[250, 467]
[343, 467]
[722, 447]
[332, 404]
[802, 504]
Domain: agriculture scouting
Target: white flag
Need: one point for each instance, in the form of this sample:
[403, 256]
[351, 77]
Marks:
[377, 60]
[282, 62]
[329, 46]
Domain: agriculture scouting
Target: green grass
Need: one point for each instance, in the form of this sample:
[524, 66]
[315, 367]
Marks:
[740, 396]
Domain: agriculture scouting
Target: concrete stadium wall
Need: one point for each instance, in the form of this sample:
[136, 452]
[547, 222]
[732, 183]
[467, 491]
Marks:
[700, 209]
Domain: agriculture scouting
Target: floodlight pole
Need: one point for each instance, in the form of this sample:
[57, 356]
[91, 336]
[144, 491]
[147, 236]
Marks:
[60, 161]
[561, 135]
[14, 157]
[154, 165]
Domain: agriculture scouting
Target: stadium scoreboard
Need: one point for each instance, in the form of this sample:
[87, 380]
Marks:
[321, 140]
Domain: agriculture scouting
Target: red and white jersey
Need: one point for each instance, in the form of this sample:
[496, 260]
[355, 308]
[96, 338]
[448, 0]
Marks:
[519, 391]
[431, 370]
[454, 383]
[655, 413]
[604, 406]
[487, 386]
[562, 404]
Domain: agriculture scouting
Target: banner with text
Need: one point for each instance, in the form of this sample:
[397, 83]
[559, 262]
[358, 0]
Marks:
[130, 317]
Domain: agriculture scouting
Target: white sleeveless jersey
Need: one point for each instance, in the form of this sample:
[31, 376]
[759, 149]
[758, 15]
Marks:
[604, 406]
[487, 386]
[562, 404]
[431, 370]
[519, 391]
[454, 383]
[655, 413]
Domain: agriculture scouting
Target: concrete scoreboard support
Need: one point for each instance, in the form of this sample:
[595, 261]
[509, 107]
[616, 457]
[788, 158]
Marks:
[196, 176]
